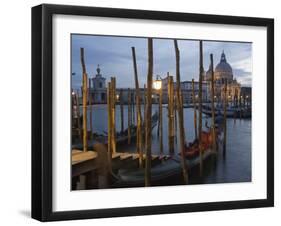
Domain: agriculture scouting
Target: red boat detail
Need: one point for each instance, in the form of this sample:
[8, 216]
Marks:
[192, 150]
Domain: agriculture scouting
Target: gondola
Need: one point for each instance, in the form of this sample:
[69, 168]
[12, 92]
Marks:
[231, 112]
[165, 169]
[162, 171]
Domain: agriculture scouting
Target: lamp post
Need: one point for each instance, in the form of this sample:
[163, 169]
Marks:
[158, 87]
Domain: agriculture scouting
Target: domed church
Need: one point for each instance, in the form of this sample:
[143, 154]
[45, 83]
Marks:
[223, 72]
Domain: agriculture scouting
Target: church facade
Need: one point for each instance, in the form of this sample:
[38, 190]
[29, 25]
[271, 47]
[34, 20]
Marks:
[223, 73]
[98, 88]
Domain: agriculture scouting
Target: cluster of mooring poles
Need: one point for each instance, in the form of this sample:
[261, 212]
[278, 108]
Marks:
[144, 125]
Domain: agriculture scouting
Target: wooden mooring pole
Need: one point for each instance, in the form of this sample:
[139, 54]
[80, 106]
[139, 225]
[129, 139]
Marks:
[224, 117]
[240, 106]
[113, 118]
[133, 108]
[180, 115]
[121, 110]
[181, 105]
[129, 116]
[195, 111]
[109, 123]
[91, 111]
[148, 129]
[161, 121]
[201, 70]
[138, 106]
[171, 113]
[176, 120]
[144, 104]
[78, 116]
[213, 104]
[84, 88]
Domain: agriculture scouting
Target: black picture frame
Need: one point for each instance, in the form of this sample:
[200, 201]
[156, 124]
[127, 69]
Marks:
[42, 111]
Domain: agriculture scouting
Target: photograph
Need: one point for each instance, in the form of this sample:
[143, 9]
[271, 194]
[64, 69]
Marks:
[156, 111]
[141, 112]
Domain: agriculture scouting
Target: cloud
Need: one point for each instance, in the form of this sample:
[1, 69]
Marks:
[115, 57]
[242, 76]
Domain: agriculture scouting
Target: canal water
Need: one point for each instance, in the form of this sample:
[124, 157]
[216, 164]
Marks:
[234, 167]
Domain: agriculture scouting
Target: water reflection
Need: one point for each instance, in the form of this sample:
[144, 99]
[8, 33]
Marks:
[235, 167]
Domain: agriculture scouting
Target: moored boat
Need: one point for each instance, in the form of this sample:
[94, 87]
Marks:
[231, 112]
[170, 167]
[162, 171]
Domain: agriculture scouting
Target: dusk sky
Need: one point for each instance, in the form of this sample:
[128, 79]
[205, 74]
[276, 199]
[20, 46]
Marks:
[114, 56]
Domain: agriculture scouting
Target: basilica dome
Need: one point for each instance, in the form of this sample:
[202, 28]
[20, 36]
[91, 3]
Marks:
[223, 70]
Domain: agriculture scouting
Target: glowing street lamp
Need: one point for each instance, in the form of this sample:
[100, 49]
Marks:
[157, 84]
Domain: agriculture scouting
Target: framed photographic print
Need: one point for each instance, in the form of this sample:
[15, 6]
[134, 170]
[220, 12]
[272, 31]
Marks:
[146, 112]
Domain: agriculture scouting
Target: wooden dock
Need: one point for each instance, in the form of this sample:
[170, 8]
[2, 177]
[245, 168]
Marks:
[84, 162]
